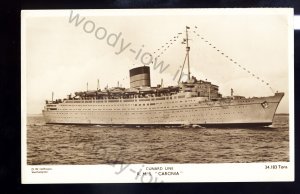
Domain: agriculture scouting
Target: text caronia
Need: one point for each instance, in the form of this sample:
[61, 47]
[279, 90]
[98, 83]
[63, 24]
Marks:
[167, 173]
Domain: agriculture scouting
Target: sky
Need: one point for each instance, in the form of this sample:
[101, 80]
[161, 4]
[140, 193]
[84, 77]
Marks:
[61, 56]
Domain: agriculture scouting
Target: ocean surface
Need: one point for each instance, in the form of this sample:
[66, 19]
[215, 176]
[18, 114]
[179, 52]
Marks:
[95, 144]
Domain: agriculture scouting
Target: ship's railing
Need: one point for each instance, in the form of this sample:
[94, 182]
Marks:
[136, 99]
[54, 101]
[85, 101]
[128, 100]
[160, 98]
[51, 105]
[144, 99]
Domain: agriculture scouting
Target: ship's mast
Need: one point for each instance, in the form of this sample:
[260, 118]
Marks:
[187, 55]
[188, 51]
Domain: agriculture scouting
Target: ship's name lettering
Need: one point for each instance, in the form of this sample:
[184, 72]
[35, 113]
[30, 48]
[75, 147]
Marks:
[167, 173]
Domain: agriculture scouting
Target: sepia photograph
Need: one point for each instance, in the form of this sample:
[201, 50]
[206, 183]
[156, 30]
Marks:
[148, 95]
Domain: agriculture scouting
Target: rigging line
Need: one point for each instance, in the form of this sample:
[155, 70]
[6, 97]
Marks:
[182, 68]
[231, 60]
[168, 47]
[175, 38]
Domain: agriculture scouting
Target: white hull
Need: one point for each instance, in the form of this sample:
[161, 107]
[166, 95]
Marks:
[169, 111]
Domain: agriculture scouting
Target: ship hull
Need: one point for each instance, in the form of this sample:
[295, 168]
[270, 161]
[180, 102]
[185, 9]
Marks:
[208, 125]
[249, 112]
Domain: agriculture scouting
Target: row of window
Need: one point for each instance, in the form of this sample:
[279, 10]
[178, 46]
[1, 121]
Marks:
[169, 113]
[141, 108]
[141, 104]
[177, 117]
[128, 104]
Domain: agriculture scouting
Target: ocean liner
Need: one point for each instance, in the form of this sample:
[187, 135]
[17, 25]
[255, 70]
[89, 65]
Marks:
[191, 102]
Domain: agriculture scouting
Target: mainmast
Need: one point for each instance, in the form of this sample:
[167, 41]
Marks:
[187, 55]
[188, 51]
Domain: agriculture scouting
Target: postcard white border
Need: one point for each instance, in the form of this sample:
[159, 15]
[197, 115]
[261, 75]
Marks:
[220, 172]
